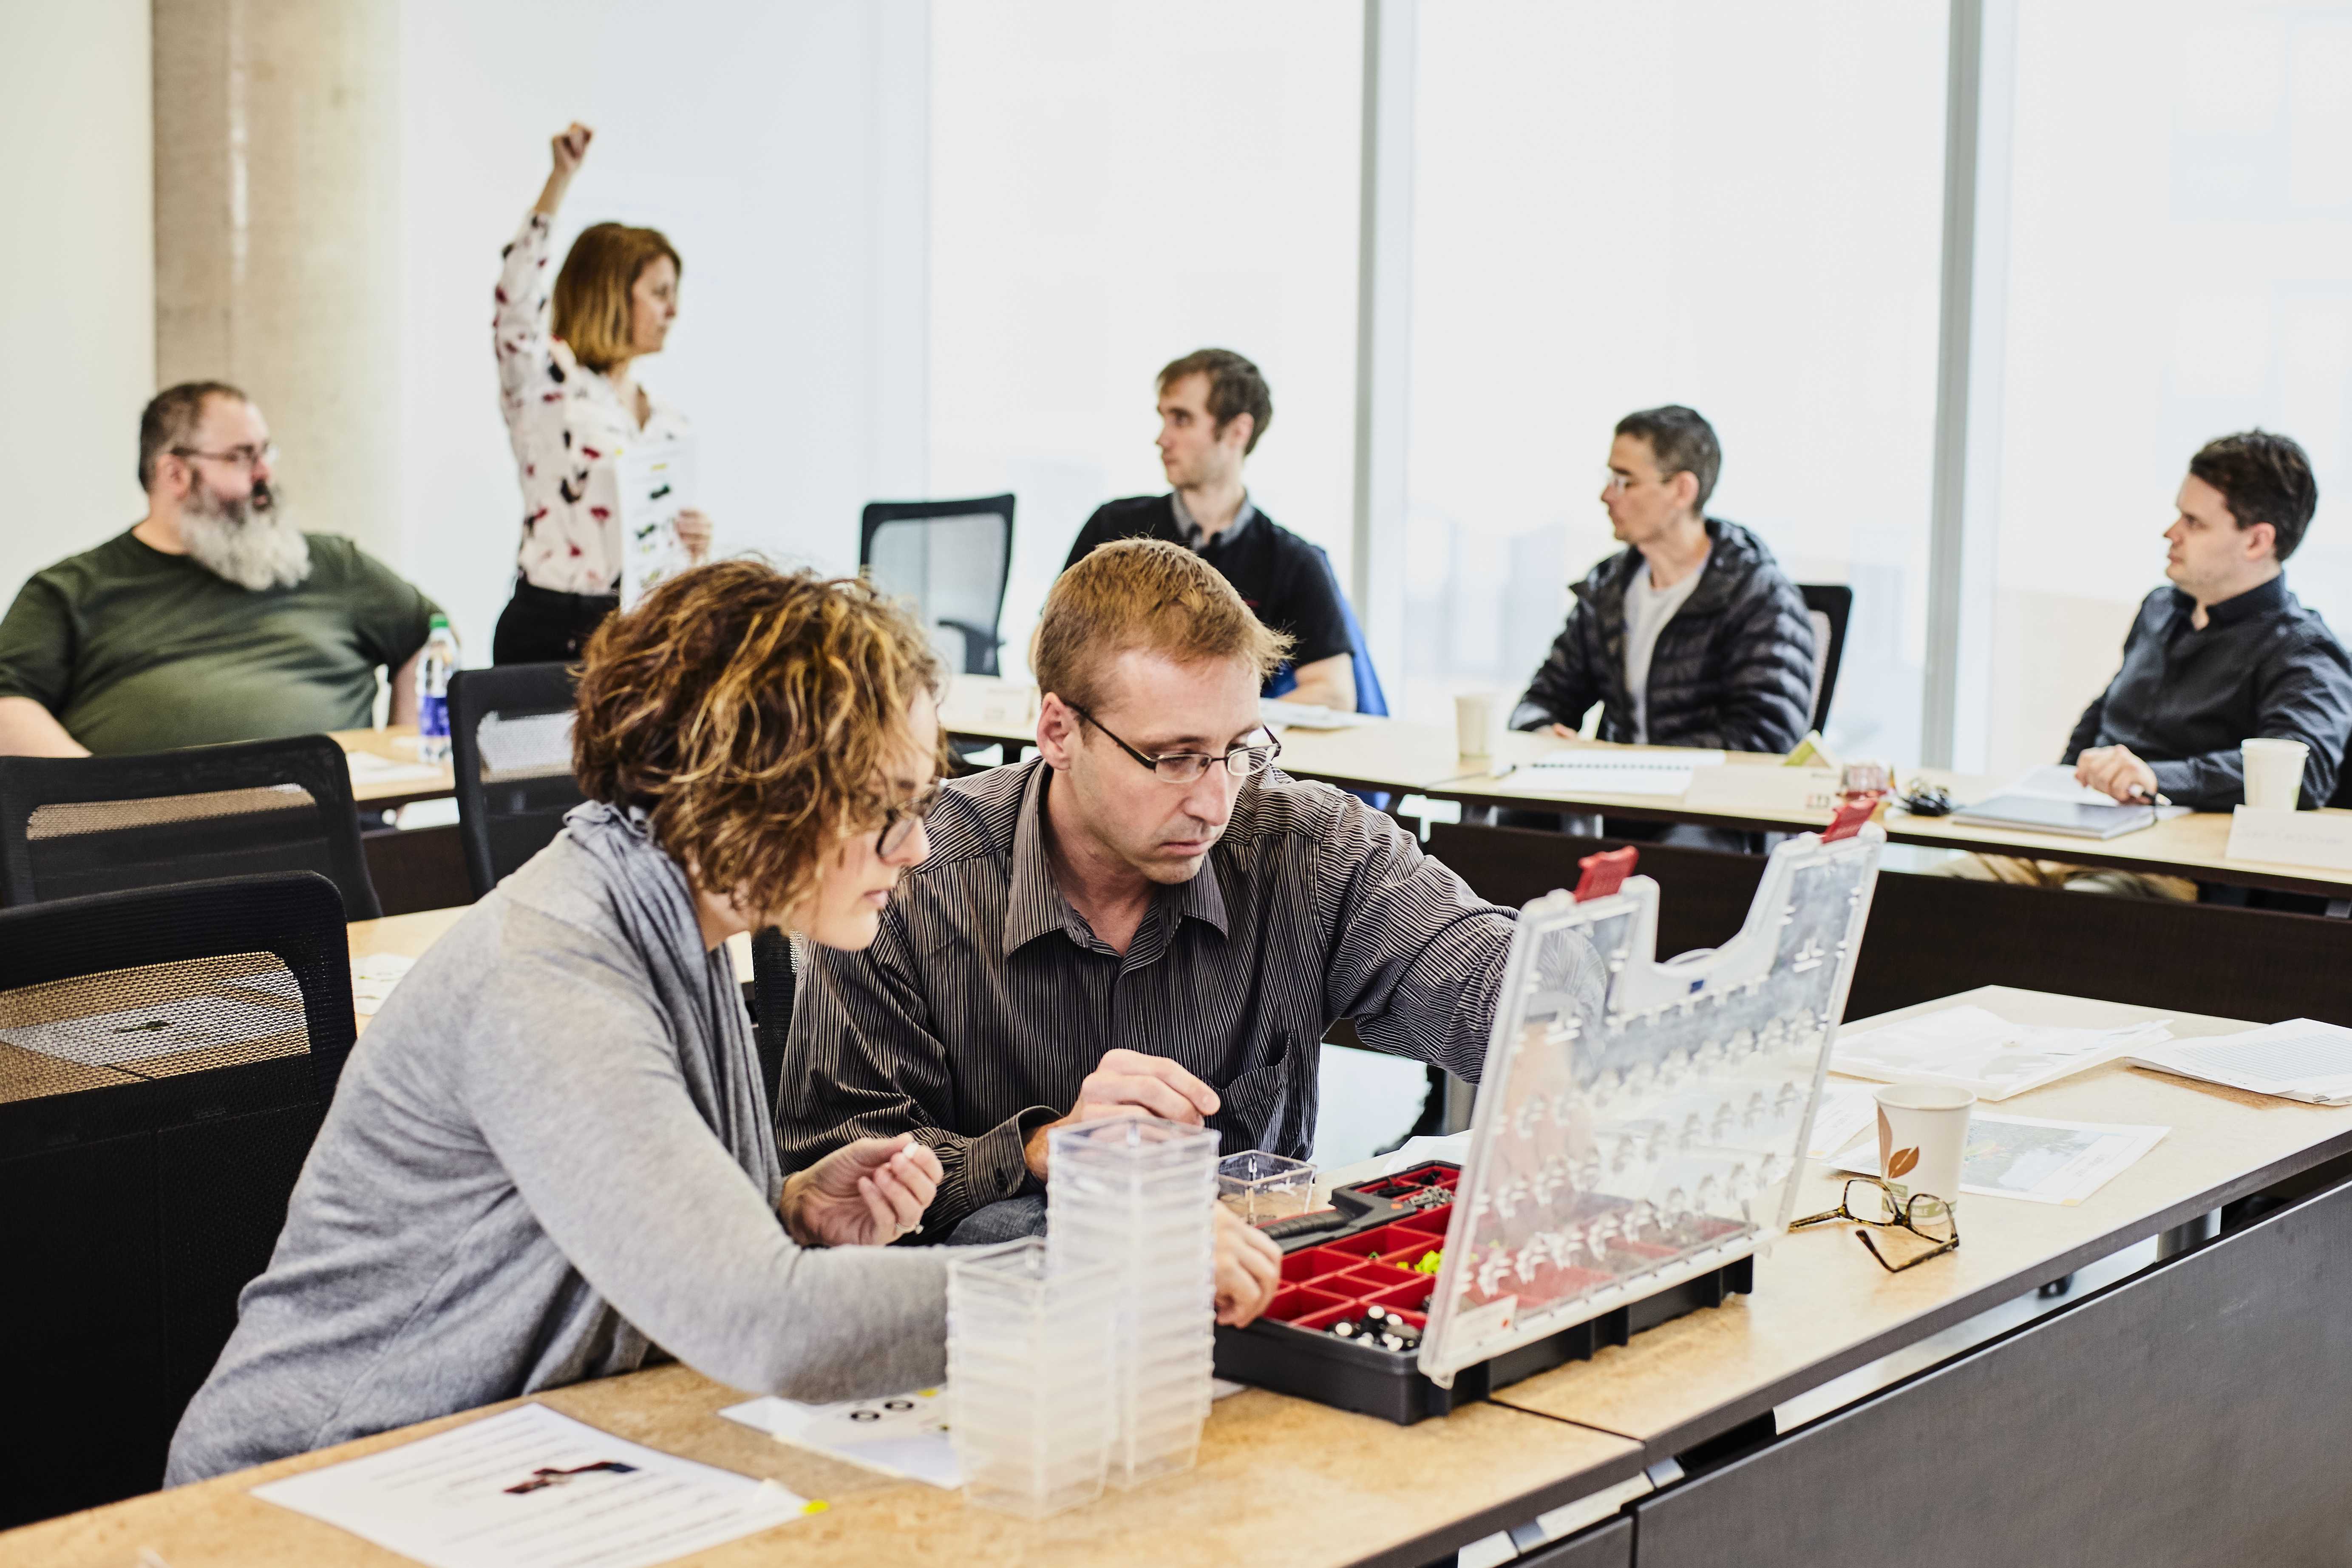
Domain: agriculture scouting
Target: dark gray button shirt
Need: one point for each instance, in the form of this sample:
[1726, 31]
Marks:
[987, 998]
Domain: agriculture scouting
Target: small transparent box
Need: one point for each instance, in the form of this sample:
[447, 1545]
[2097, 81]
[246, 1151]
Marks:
[1261, 1188]
[1031, 1356]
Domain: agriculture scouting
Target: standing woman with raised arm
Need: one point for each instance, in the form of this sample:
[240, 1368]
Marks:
[569, 394]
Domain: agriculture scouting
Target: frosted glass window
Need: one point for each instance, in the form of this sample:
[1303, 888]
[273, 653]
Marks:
[1113, 186]
[2180, 266]
[1625, 203]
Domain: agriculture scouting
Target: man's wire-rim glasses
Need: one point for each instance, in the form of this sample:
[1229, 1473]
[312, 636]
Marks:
[1183, 767]
[1926, 1216]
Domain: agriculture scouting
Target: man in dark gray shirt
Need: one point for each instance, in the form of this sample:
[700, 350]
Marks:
[1149, 918]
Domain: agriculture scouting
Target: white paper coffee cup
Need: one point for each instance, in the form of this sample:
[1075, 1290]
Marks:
[1478, 715]
[2274, 772]
[1923, 1132]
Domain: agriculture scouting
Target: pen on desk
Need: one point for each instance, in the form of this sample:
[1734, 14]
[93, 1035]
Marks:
[2158, 799]
[1504, 771]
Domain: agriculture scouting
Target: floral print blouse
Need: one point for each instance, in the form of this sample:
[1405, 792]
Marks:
[566, 422]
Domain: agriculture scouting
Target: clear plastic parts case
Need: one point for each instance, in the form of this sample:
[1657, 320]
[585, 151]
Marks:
[1639, 1122]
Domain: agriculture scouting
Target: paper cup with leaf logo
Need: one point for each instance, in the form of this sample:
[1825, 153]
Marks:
[1923, 1130]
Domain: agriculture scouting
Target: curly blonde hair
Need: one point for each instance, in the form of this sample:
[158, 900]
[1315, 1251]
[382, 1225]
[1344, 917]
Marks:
[757, 716]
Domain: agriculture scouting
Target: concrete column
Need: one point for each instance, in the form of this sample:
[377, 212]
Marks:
[276, 237]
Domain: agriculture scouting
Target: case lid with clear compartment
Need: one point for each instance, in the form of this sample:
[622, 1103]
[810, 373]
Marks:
[1638, 1123]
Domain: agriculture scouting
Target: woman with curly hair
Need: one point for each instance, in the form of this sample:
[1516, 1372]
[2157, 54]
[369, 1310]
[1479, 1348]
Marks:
[551, 1150]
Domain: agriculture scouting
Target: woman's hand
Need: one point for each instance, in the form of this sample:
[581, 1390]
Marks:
[694, 532]
[1249, 1269]
[867, 1193]
[570, 145]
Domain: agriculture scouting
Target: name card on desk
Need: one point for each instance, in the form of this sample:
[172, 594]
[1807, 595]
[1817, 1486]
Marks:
[2322, 838]
[1765, 792]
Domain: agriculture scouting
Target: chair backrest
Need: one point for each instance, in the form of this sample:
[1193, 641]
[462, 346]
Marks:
[166, 1056]
[952, 559]
[1828, 605]
[1932, 936]
[772, 994]
[70, 826]
[511, 748]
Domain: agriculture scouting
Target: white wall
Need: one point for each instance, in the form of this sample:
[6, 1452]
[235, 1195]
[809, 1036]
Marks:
[77, 273]
[783, 149]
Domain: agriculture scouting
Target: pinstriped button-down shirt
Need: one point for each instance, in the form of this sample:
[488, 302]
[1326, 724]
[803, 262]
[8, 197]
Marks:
[987, 998]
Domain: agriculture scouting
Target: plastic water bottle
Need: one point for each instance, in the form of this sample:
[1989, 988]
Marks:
[433, 673]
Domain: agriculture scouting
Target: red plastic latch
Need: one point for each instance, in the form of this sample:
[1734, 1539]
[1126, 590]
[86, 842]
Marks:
[1853, 811]
[1604, 874]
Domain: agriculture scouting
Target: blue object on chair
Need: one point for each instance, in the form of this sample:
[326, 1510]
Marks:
[1370, 699]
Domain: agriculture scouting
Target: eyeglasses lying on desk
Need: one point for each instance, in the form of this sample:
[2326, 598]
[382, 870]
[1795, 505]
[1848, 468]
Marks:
[1871, 1201]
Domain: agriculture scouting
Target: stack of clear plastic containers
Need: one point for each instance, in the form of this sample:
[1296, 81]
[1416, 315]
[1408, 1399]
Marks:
[1029, 1352]
[1140, 1196]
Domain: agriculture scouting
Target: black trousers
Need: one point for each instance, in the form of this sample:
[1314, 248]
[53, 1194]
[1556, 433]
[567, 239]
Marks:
[541, 625]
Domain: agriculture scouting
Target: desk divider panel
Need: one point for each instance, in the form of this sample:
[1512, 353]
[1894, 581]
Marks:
[2190, 1414]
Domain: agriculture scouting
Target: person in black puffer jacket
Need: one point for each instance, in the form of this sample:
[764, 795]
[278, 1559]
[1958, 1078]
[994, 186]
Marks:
[1728, 661]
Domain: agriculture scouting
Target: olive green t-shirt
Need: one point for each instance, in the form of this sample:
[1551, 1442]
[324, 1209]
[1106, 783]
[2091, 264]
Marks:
[134, 650]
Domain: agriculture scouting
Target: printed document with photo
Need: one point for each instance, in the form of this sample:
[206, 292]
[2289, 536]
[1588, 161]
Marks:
[656, 483]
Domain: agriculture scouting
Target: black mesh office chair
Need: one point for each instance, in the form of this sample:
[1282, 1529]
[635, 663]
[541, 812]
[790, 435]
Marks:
[165, 1058]
[1828, 606]
[771, 1006]
[70, 826]
[510, 747]
[951, 558]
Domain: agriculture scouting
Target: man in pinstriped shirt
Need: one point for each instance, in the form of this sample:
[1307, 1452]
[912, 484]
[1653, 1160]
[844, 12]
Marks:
[1147, 918]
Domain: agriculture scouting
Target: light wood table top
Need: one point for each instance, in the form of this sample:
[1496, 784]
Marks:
[1822, 1306]
[397, 746]
[1280, 1482]
[1397, 754]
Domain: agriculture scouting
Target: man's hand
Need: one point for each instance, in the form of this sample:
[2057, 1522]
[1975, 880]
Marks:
[1249, 1269]
[1128, 1083]
[867, 1193]
[1564, 733]
[694, 532]
[2113, 771]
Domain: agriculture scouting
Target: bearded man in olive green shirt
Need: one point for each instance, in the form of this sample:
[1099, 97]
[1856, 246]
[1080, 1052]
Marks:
[214, 619]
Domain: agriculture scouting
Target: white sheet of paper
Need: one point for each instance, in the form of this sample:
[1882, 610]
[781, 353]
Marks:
[1608, 770]
[2301, 1058]
[656, 483]
[1978, 1050]
[167, 1029]
[1277, 714]
[1847, 1112]
[2028, 1157]
[905, 1435]
[374, 977]
[1765, 789]
[369, 768]
[526, 1488]
[2291, 837]
[2056, 781]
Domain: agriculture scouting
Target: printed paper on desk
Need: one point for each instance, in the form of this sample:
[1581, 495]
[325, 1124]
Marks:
[532, 1486]
[1614, 770]
[2320, 838]
[2028, 1157]
[2301, 1058]
[1796, 791]
[1978, 1050]
[905, 1434]
[656, 483]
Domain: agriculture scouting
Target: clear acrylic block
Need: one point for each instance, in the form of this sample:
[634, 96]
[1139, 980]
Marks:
[1260, 1188]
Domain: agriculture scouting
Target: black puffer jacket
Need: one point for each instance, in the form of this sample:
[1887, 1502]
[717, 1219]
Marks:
[1733, 669]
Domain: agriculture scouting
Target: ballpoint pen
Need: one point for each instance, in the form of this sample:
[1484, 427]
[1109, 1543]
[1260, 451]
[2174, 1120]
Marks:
[1502, 772]
[2140, 793]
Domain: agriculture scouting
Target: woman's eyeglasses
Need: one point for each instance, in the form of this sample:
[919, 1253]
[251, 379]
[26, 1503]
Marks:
[1867, 1201]
[900, 822]
[1183, 767]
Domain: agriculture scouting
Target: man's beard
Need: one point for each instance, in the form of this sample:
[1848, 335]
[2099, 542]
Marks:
[247, 542]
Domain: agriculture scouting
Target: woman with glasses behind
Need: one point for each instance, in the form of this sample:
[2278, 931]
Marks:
[568, 344]
[552, 1150]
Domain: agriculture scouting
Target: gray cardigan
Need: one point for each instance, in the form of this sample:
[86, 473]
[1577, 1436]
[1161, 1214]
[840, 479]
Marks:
[550, 1155]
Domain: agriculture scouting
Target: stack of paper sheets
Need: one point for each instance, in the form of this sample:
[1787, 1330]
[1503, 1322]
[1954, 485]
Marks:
[2300, 1059]
[1978, 1050]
